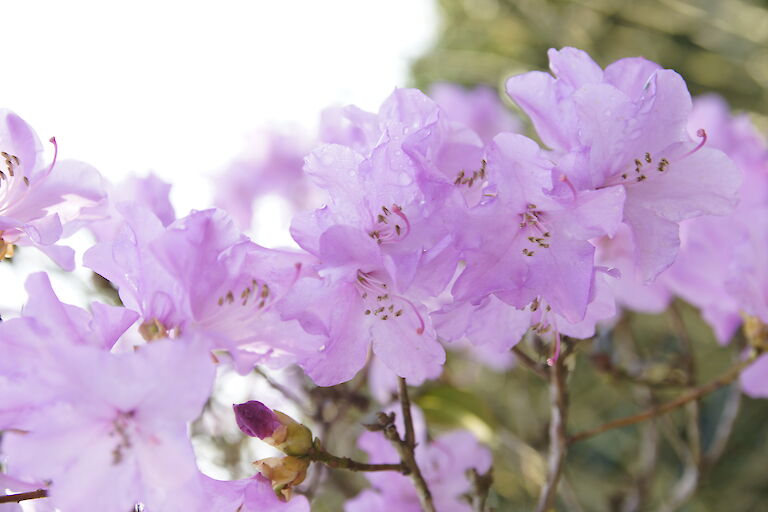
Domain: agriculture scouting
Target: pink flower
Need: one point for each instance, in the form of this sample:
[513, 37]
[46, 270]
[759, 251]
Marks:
[249, 495]
[40, 202]
[480, 109]
[714, 269]
[30, 371]
[200, 275]
[626, 127]
[108, 430]
[150, 192]
[531, 240]
[272, 165]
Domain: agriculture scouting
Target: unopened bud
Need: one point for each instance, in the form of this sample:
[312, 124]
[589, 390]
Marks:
[285, 473]
[273, 427]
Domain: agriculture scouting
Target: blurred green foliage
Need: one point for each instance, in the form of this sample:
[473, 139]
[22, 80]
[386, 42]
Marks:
[717, 45]
[510, 412]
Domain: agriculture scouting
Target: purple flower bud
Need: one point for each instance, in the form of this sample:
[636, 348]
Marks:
[256, 419]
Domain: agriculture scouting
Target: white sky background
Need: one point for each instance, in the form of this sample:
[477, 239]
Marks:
[176, 87]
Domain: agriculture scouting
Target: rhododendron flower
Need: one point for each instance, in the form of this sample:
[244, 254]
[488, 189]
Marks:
[249, 495]
[355, 305]
[150, 192]
[108, 430]
[627, 127]
[201, 275]
[107, 445]
[754, 380]
[42, 202]
[383, 246]
[532, 243]
[272, 165]
[712, 247]
[30, 370]
[480, 109]
[629, 290]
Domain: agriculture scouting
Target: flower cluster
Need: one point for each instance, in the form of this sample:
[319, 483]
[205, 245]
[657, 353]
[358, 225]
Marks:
[442, 224]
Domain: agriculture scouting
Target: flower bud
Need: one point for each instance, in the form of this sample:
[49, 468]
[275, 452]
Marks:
[273, 427]
[284, 472]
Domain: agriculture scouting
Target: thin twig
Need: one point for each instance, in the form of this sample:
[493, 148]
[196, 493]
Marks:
[23, 496]
[287, 393]
[405, 448]
[405, 404]
[481, 486]
[694, 394]
[527, 361]
[558, 437]
[685, 486]
[332, 461]
[724, 427]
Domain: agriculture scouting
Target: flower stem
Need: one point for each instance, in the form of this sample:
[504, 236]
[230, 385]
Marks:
[526, 360]
[558, 438]
[694, 394]
[405, 448]
[332, 461]
[23, 496]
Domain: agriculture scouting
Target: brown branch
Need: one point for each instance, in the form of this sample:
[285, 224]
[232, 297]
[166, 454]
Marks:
[332, 461]
[405, 447]
[694, 394]
[558, 438]
[481, 486]
[23, 496]
[527, 361]
[405, 404]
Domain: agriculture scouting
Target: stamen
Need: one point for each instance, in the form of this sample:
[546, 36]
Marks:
[399, 212]
[52, 140]
[552, 360]
[568, 182]
[420, 329]
[703, 135]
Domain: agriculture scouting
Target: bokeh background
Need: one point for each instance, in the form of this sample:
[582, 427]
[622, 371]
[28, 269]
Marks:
[180, 88]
